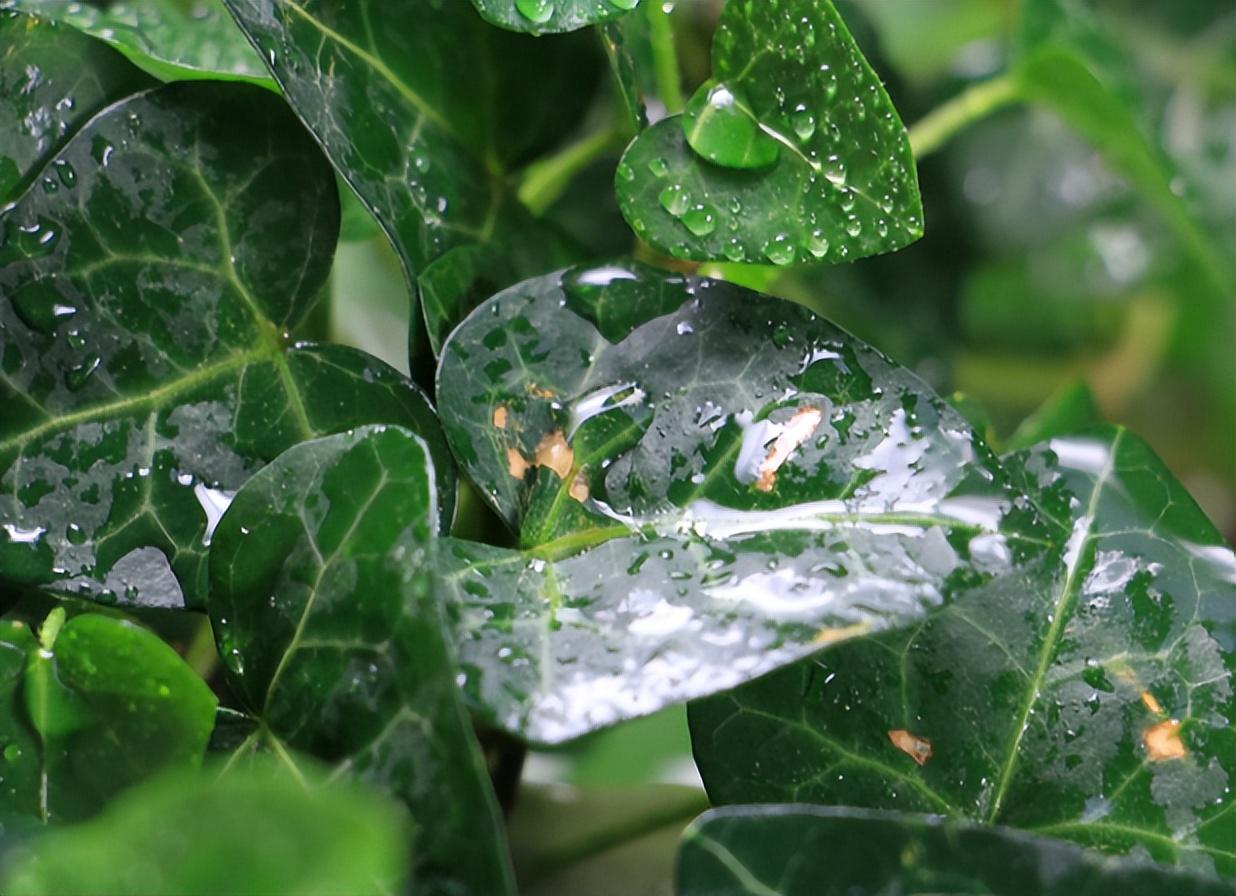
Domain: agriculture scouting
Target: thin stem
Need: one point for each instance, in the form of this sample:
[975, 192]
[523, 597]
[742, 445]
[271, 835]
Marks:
[546, 180]
[664, 57]
[972, 104]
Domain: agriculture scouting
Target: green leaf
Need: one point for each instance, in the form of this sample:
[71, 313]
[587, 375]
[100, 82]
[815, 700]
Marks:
[331, 635]
[1072, 409]
[543, 16]
[707, 483]
[425, 114]
[254, 831]
[818, 851]
[171, 39]
[1095, 703]
[96, 705]
[617, 40]
[148, 277]
[794, 153]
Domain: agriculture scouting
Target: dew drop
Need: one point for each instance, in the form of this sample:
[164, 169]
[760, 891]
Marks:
[779, 250]
[675, 200]
[535, 11]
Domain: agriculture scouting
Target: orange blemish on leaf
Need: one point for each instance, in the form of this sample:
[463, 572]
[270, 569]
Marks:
[500, 415]
[826, 636]
[540, 392]
[553, 453]
[1151, 703]
[579, 488]
[800, 427]
[1163, 742]
[917, 748]
[516, 464]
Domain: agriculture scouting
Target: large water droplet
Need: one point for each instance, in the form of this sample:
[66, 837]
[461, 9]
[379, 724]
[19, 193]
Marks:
[624, 4]
[536, 11]
[817, 243]
[721, 127]
[779, 249]
[675, 200]
[804, 123]
[700, 220]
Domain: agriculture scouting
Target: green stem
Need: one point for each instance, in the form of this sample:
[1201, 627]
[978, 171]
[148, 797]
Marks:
[664, 57]
[972, 104]
[546, 180]
[675, 813]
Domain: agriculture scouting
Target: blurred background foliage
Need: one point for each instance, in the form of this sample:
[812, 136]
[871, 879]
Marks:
[1047, 287]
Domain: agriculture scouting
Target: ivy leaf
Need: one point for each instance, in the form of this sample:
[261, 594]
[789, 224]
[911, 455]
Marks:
[544, 16]
[794, 153]
[425, 115]
[171, 39]
[707, 483]
[801, 850]
[324, 611]
[256, 830]
[148, 275]
[1094, 704]
[91, 708]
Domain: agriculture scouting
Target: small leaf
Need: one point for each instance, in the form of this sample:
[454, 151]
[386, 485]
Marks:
[792, 154]
[259, 831]
[542, 16]
[1072, 409]
[95, 706]
[149, 273]
[1095, 703]
[323, 607]
[817, 851]
[171, 39]
[707, 483]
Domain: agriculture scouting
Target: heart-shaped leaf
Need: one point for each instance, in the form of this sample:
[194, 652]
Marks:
[707, 483]
[1094, 704]
[793, 153]
[93, 706]
[424, 115]
[817, 851]
[171, 39]
[543, 16]
[326, 619]
[259, 830]
[148, 275]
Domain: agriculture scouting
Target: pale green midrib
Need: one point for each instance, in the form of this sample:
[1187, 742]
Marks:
[742, 876]
[1060, 613]
[152, 398]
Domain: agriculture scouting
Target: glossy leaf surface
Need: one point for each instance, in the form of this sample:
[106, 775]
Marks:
[707, 483]
[817, 851]
[424, 114]
[1094, 704]
[147, 276]
[541, 16]
[793, 153]
[325, 616]
[171, 39]
[257, 831]
[94, 706]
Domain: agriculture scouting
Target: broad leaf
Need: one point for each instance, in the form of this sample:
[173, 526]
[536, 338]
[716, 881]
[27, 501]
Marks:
[541, 16]
[171, 39]
[94, 706]
[707, 483]
[1095, 703]
[793, 153]
[260, 831]
[424, 113]
[322, 601]
[148, 277]
[816, 851]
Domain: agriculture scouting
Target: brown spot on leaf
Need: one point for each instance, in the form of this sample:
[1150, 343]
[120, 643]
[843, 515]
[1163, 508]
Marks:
[917, 748]
[1151, 703]
[579, 487]
[555, 454]
[500, 415]
[799, 428]
[826, 636]
[1163, 742]
[516, 464]
[540, 392]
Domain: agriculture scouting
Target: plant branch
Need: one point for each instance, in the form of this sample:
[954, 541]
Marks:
[971, 105]
[664, 57]
[545, 180]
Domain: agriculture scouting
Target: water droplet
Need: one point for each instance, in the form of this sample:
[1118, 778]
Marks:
[721, 127]
[658, 167]
[700, 220]
[12, 753]
[624, 4]
[535, 11]
[65, 172]
[675, 200]
[853, 226]
[817, 243]
[78, 375]
[779, 249]
[734, 250]
[804, 123]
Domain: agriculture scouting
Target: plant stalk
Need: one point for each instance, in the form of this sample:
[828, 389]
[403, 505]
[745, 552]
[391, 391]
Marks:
[546, 180]
[972, 104]
[664, 57]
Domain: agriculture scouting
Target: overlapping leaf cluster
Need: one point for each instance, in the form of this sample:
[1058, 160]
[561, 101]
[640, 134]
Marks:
[702, 484]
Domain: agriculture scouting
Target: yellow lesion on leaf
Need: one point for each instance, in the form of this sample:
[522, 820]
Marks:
[1162, 742]
[1148, 699]
[500, 416]
[826, 636]
[915, 746]
[799, 428]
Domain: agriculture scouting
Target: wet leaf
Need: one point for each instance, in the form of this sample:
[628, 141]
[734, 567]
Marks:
[1093, 704]
[148, 275]
[92, 707]
[801, 850]
[792, 154]
[542, 16]
[326, 619]
[171, 39]
[257, 830]
[425, 115]
[707, 483]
